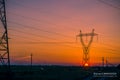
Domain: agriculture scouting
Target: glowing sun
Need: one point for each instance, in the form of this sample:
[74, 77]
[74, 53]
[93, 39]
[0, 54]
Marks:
[86, 64]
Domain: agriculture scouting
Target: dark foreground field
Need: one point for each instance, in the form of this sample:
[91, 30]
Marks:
[57, 73]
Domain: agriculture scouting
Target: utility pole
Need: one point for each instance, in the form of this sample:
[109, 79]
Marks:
[102, 61]
[106, 63]
[31, 59]
[4, 43]
[86, 47]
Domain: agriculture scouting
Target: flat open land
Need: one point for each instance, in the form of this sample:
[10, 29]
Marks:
[58, 73]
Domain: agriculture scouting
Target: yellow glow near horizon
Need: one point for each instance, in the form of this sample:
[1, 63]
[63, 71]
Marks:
[86, 65]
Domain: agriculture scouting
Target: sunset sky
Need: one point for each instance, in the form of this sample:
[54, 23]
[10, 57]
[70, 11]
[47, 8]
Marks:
[48, 29]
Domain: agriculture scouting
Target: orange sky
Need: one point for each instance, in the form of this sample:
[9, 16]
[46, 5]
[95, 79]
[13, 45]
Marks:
[59, 21]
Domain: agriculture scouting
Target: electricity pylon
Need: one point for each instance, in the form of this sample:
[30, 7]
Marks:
[31, 59]
[103, 61]
[86, 47]
[4, 45]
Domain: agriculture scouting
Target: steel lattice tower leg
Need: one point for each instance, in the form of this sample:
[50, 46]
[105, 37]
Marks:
[86, 47]
[4, 45]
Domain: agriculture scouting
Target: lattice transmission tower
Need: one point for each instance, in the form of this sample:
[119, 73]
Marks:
[4, 44]
[86, 47]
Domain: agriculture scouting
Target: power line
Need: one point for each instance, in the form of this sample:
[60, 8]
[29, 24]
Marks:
[53, 42]
[108, 48]
[60, 43]
[23, 38]
[37, 35]
[108, 37]
[41, 42]
[34, 8]
[38, 29]
[107, 45]
[22, 5]
[49, 38]
[38, 20]
[57, 42]
[110, 51]
[38, 42]
[28, 17]
[65, 44]
[50, 31]
[118, 8]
